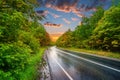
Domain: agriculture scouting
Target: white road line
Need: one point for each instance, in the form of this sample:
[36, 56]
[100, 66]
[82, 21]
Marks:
[96, 55]
[64, 70]
[91, 61]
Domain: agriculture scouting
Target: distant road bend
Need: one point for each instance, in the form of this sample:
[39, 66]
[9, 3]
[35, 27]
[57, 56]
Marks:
[68, 65]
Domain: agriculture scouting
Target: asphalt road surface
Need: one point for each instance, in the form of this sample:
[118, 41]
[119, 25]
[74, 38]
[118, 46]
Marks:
[67, 65]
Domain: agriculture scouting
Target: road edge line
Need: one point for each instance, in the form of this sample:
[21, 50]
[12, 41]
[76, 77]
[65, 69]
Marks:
[91, 61]
[64, 70]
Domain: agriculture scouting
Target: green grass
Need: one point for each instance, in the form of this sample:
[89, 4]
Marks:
[97, 52]
[31, 72]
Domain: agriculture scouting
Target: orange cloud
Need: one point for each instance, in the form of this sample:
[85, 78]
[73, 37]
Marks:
[68, 7]
[80, 15]
[66, 21]
[48, 24]
[64, 8]
[55, 15]
[74, 19]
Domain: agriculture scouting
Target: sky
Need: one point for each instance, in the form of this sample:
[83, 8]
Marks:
[61, 15]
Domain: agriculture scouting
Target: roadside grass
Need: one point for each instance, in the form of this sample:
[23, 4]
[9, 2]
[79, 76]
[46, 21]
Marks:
[31, 72]
[97, 52]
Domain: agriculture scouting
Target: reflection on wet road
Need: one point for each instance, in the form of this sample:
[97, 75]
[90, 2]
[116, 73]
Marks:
[67, 66]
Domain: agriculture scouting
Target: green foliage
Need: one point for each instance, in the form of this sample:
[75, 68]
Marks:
[11, 5]
[20, 38]
[10, 24]
[31, 72]
[6, 75]
[42, 36]
[28, 39]
[84, 31]
[13, 58]
[107, 34]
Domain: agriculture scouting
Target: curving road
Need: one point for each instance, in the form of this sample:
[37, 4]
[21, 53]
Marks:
[68, 65]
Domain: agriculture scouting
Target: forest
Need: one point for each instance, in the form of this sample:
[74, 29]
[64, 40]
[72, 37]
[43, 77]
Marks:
[21, 39]
[101, 31]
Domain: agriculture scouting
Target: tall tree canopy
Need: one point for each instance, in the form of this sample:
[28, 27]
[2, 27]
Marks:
[107, 33]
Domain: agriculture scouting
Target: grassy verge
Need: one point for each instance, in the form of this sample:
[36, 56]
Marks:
[31, 72]
[97, 52]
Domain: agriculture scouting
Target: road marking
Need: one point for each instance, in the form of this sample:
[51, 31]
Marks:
[91, 61]
[95, 55]
[64, 70]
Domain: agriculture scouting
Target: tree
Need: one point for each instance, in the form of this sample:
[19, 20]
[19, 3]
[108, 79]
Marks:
[84, 31]
[107, 34]
[65, 40]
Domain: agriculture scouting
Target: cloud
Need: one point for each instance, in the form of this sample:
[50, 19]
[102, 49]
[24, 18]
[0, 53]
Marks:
[68, 6]
[42, 12]
[80, 15]
[48, 24]
[55, 15]
[74, 19]
[66, 21]
[64, 7]
[88, 8]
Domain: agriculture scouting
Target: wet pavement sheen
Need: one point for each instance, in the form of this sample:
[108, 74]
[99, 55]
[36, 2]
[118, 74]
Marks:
[76, 68]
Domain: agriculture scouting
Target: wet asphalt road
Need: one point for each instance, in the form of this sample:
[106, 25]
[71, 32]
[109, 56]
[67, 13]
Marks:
[67, 65]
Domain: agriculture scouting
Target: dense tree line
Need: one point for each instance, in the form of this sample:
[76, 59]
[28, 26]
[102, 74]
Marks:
[100, 31]
[21, 36]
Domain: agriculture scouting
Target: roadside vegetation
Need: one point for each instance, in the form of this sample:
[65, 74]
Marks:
[101, 31]
[96, 52]
[21, 40]
[31, 72]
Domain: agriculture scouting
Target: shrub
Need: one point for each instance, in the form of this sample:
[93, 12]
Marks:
[13, 59]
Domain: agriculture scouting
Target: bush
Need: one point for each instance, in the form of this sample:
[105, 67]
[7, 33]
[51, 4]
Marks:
[29, 40]
[13, 59]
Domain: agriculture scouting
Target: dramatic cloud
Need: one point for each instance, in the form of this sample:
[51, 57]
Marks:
[48, 24]
[67, 12]
[74, 19]
[66, 21]
[64, 7]
[72, 5]
[59, 8]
